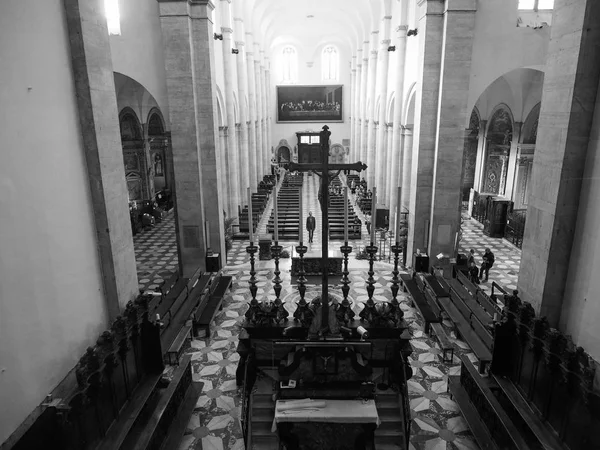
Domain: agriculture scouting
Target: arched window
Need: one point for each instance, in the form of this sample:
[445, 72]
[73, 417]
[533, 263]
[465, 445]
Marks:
[113, 18]
[536, 4]
[330, 63]
[289, 65]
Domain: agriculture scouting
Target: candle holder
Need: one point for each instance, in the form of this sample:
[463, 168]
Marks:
[346, 250]
[303, 314]
[369, 312]
[254, 310]
[281, 313]
[396, 249]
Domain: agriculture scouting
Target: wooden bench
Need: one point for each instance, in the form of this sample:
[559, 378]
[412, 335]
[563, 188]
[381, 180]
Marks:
[150, 429]
[463, 327]
[212, 304]
[497, 414]
[445, 342]
[543, 433]
[420, 302]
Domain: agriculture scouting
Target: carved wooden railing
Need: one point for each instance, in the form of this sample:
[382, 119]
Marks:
[247, 403]
[515, 226]
[552, 374]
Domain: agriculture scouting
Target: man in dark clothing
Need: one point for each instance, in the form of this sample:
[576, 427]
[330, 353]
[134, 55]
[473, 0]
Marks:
[488, 262]
[357, 225]
[311, 224]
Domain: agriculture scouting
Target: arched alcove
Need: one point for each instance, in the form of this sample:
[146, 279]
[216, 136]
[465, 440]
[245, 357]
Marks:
[133, 154]
[337, 154]
[470, 154]
[499, 137]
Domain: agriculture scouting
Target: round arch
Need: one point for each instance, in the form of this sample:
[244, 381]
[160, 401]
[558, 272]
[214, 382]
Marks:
[530, 126]
[129, 125]
[409, 107]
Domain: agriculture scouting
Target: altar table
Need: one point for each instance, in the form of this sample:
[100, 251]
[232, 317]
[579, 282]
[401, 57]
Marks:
[334, 411]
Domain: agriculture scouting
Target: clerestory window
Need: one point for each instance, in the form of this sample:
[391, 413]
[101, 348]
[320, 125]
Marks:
[113, 17]
[289, 65]
[536, 5]
[330, 63]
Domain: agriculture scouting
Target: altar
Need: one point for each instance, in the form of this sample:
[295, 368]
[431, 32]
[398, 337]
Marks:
[312, 263]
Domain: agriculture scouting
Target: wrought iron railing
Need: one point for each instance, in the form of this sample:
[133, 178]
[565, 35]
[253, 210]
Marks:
[515, 226]
[247, 403]
[405, 405]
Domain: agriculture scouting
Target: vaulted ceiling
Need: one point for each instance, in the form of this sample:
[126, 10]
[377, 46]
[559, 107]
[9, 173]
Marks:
[345, 22]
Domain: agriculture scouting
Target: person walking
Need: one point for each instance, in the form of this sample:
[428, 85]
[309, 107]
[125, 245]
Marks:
[488, 262]
[311, 224]
[368, 223]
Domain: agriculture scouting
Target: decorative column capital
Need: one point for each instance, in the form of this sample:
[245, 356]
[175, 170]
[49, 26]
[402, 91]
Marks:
[402, 30]
[366, 61]
[226, 30]
[373, 53]
[386, 42]
[240, 43]
[387, 17]
[238, 19]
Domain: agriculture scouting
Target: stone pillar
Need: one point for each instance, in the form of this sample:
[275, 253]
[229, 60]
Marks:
[224, 162]
[252, 143]
[97, 105]
[512, 161]
[389, 130]
[188, 42]
[480, 161]
[260, 145]
[382, 84]
[371, 112]
[431, 27]
[568, 99]
[363, 104]
[397, 149]
[242, 93]
[231, 156]
[268, 103]
[459, 30]
[352, 110]
[355, 145]
[263, 88]
[406, 143]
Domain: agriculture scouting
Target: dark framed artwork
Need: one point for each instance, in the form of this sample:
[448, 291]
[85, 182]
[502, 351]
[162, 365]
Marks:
[158, 165]
[310, 103]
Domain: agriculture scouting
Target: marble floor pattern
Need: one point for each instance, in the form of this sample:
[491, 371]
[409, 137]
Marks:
[437, 423]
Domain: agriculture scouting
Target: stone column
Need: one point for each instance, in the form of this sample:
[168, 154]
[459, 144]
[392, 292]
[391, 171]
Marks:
[512, 161]
[242, 93]
[188, 42]
[406, 143]
[363, 104]
[223, 162]
[459, 30]
[355, 146]
[260, 145]
[382, 84]
[389, 130]
[263, 88]
[252, 144]
[352, 111]
[371, 112]
[268, 103]
[231, 156]
[397, 149]
[431, 27]
[568, 99]
[480, 161]
[97, 105]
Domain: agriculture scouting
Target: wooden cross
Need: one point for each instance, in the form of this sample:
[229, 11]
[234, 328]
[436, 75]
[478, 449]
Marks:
[324, 167]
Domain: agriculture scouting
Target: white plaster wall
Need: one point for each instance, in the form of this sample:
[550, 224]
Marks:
[51, 300]
[581, 306]
[138, 51]
[310, 76]
[500, 46]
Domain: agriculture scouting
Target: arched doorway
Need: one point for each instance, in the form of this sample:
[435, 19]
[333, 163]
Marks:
[133, 155]
[283, 155]
[526, 150]
[498, 141]
[158, 152]
[470, 154]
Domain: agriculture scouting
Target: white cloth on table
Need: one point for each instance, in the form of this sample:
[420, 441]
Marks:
[332, 411]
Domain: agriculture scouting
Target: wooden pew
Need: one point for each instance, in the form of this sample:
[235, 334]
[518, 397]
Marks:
[419, 301]
[489, 422]
[208, 310]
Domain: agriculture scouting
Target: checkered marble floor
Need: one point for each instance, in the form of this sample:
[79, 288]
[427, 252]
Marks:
[156, 253]
[437, 423]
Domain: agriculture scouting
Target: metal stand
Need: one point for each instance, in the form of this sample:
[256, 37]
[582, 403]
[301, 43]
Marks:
[282, 313]
[369, 312]
[254, 309]
[396, 249]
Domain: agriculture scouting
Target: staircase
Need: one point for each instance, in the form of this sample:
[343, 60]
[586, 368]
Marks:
[262, 415]
[390, 434]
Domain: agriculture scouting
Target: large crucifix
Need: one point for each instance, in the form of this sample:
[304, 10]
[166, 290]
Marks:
[322, 170]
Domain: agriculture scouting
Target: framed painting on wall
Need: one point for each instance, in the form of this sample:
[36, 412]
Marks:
[310, 103]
